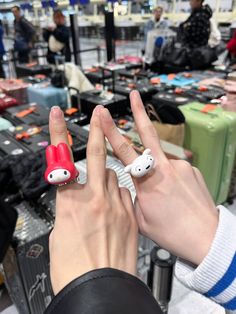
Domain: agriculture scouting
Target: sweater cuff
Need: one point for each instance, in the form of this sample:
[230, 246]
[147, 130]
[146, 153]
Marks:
[215, 277]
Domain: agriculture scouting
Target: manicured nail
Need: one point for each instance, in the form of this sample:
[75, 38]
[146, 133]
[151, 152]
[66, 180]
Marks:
[56, 113]
[98, 109]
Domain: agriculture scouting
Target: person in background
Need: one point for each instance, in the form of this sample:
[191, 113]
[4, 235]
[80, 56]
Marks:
[24, 35]
[58, 38]
[2, 51]
[156, 22]
[215, 36]
[195, 31]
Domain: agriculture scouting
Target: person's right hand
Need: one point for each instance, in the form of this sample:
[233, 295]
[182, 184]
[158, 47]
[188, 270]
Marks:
[173, 205]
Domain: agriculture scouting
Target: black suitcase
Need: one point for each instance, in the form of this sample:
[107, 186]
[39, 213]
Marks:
[79, 139]
[171, 98]
[97, 76]
[117, 105]
[10, 146]
[31, 70]
[26, 264]
[39, 116]
[206, 93]
[125, 87]
[34, 144]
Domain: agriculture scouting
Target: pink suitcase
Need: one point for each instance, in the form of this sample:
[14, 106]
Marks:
[16, 89]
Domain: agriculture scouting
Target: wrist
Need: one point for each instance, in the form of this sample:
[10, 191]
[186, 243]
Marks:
[206, 238]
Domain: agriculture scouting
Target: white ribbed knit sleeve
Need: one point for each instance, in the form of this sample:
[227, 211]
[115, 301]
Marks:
[215, 277]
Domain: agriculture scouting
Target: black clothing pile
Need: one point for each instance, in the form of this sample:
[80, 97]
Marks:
[23, 176]
[195, 32]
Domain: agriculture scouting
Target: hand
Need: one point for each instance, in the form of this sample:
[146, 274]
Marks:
[173, 205]
[95, 225]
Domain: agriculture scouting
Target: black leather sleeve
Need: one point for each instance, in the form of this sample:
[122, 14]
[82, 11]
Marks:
[105, 291]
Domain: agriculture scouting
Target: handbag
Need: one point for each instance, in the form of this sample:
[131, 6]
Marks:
[55, 45]
[174, 53]
[202, 57]
[169, 132]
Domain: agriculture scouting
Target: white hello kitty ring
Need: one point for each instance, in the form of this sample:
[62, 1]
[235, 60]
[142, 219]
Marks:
[142, 165]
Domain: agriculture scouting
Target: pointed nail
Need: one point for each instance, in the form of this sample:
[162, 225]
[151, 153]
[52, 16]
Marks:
[56, 113]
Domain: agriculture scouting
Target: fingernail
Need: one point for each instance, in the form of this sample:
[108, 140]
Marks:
[106, 113]
[98, 109]
[56, 113]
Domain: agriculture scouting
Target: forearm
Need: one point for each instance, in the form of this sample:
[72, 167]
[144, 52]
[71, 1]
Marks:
[215, 277]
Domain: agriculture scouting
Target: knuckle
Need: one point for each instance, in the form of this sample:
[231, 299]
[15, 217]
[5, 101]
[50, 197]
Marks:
[96, 150]
[124, 148]
[150, 130]
[111, 174]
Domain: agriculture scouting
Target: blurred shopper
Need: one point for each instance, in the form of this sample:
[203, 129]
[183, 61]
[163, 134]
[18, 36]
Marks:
[24, 35]
[195, 31]
[231, 46]
[58, 38]
[156, 22]
[2, 51]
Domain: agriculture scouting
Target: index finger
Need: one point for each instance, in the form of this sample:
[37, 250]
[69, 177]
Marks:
[96, 151]
[145, 127]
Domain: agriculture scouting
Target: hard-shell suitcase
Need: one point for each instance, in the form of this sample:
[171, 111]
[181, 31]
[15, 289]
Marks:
[177, 80]
[32, 69]
[26, 265]
[210, 135]
[48, 96]
[7, 102]
[116, 104]
[31, 114]
[23, 139]
[10, 146]
[4, 124]
[171, 98]
[15, 88]
[96, 75]
[125, 87]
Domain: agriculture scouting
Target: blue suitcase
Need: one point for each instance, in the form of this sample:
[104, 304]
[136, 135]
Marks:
[48, 96]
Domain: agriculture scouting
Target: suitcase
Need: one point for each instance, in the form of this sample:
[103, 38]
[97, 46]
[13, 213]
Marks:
[78, 139]
[4, 124]
[97, 76]
[10, 146]
[26, 265]
[7, 102]
[171, 98]
[116, 104]
[36, 79]
[205, 94]
[232, 190]
[16, 89]
[73, 115]
[177, 80]
[32, 69]
[48, 96]
[35, 143]
[31, 114]
[125, 87]
[210, 135]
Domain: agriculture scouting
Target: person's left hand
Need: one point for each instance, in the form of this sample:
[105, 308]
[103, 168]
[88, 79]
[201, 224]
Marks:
[95, 225]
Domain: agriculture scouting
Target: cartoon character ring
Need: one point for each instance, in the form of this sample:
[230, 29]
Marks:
[60, 169]
[141, 165]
